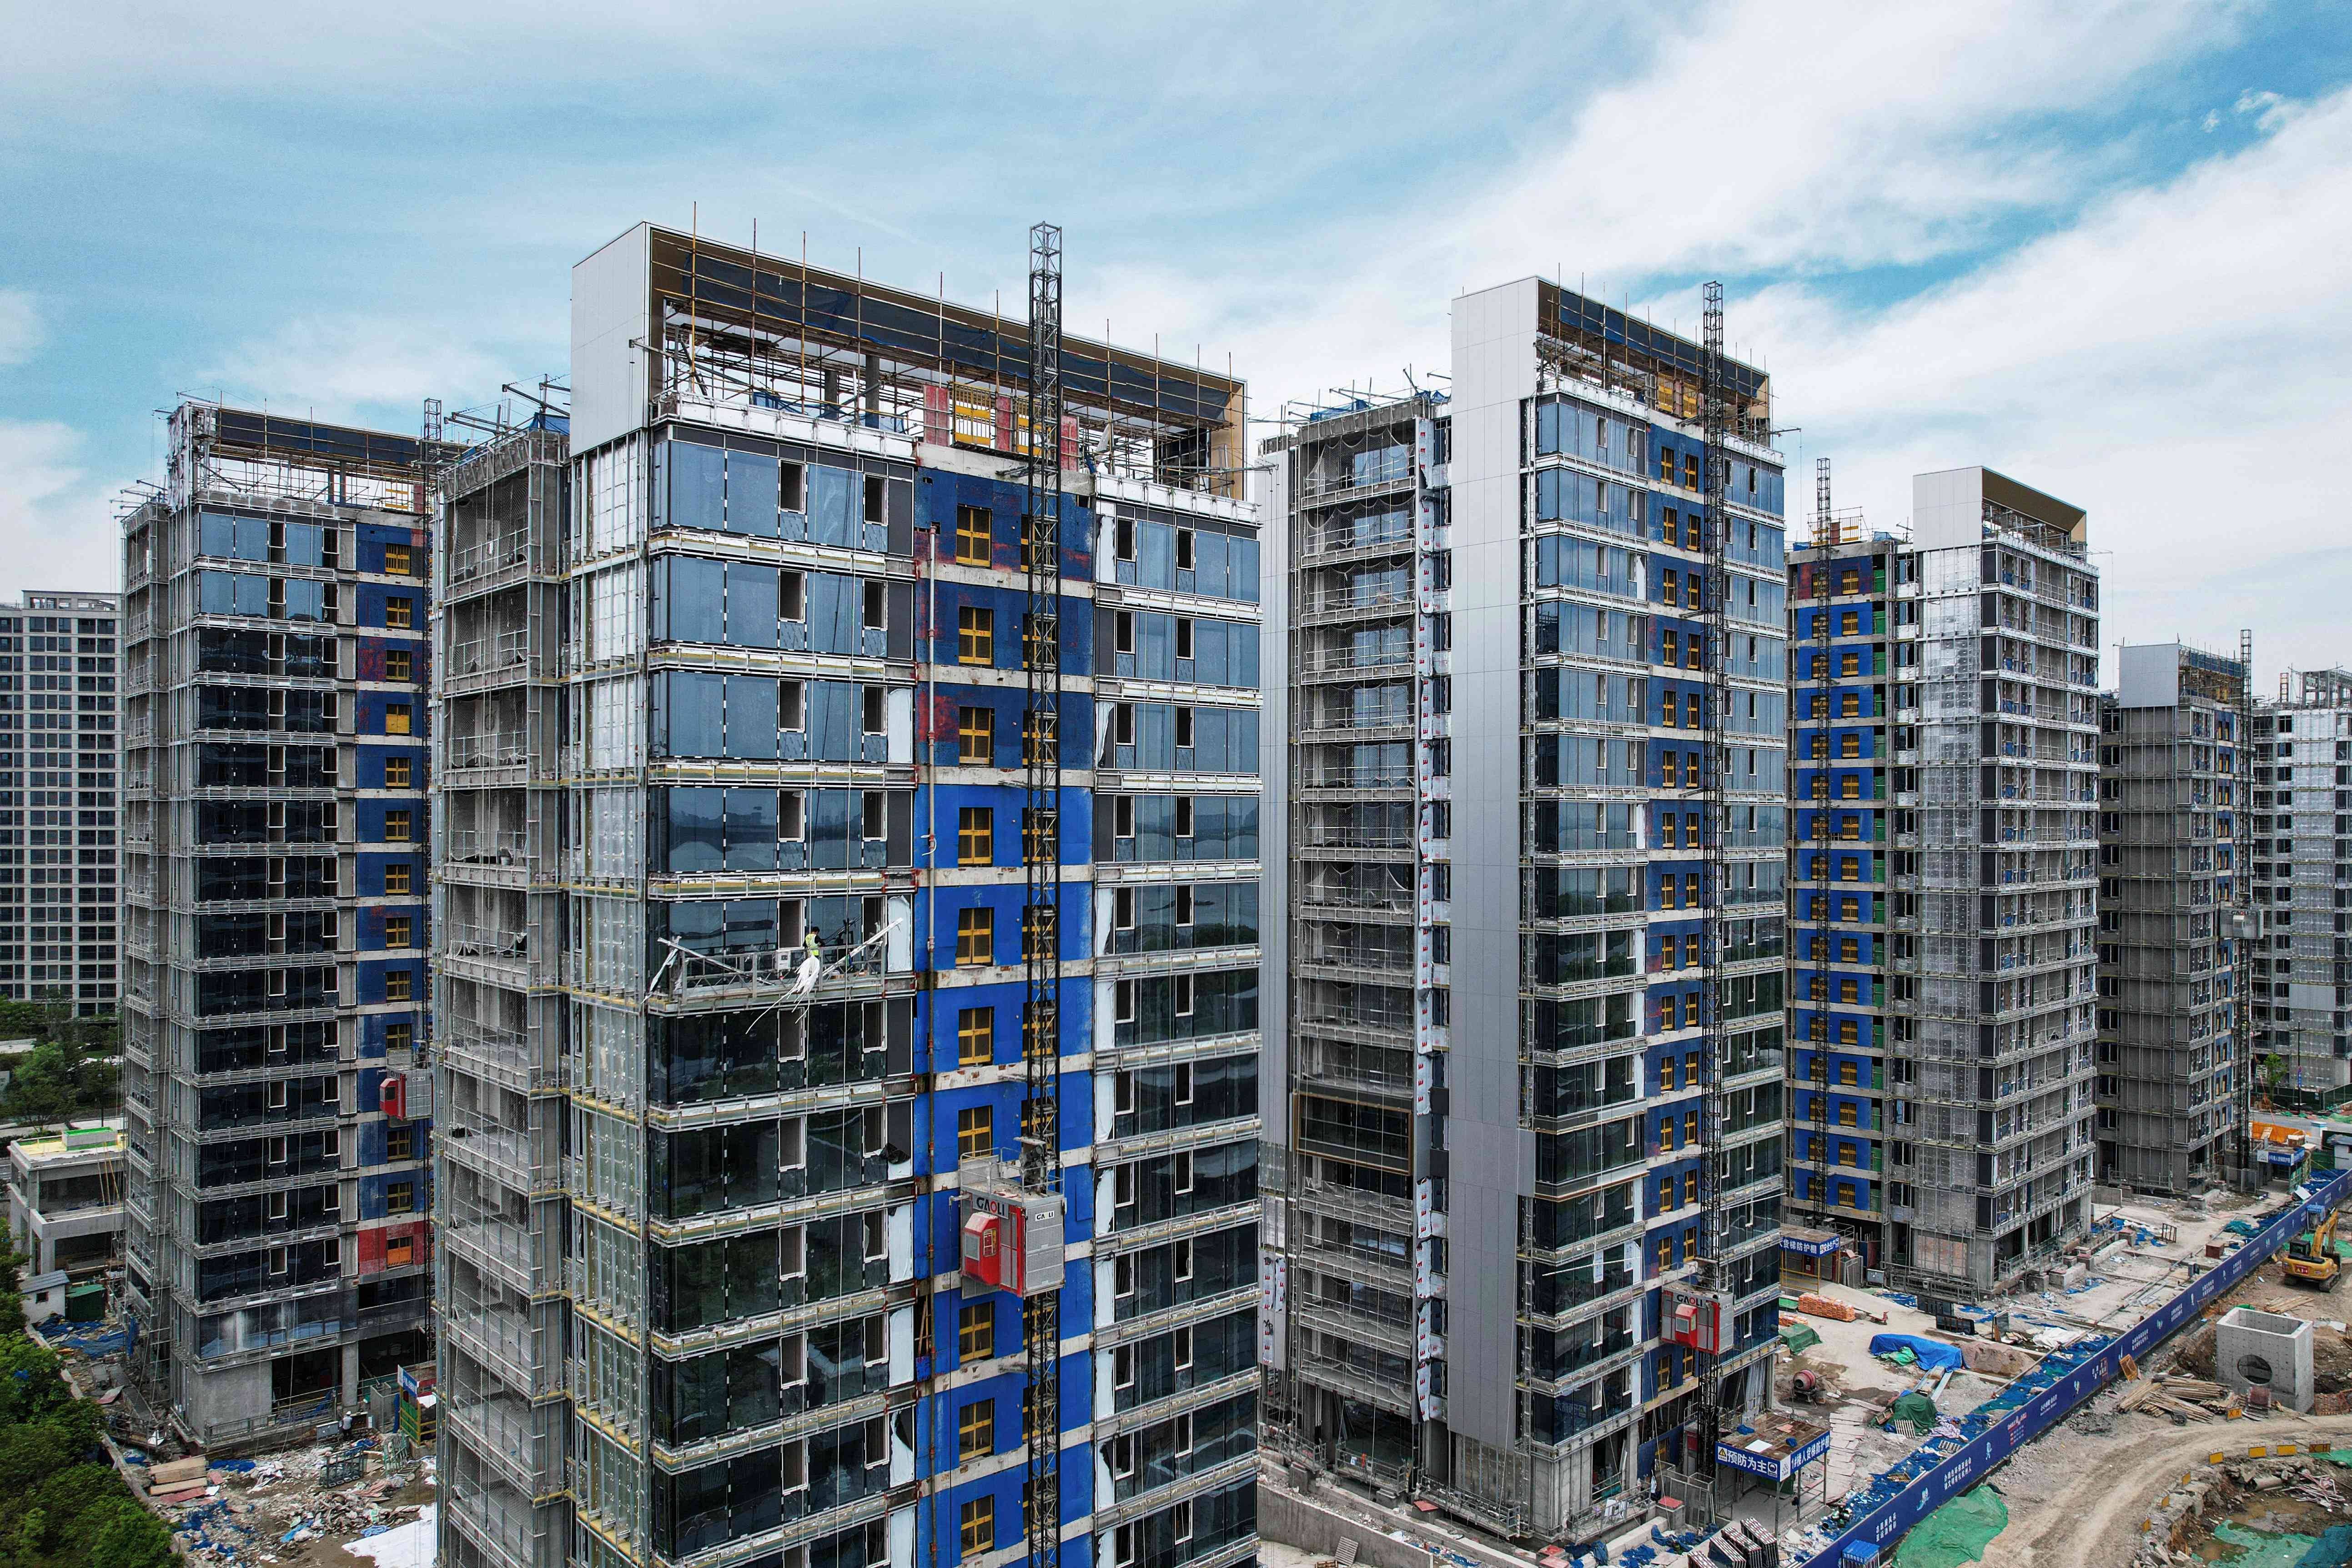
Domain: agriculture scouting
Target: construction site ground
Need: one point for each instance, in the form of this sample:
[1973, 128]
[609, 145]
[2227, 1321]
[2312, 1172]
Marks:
[243, 1519]
[248, 1507]
[2079, 1495]
[2133, 1271]
[2077, 1500]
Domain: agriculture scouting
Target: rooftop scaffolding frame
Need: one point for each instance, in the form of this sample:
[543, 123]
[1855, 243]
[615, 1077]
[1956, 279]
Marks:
[737, 326]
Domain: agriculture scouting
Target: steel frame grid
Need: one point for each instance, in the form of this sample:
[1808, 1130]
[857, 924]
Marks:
[1825, 534]
[1715, 409]
[1041, 662]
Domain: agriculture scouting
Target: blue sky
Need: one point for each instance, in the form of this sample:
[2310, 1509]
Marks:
[2105, 247]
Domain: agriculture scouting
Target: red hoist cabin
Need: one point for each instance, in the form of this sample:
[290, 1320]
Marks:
[1012, 1240]
[1695, 1320]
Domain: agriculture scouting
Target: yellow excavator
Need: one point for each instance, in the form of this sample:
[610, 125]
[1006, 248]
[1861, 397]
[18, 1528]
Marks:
[2311, 1257]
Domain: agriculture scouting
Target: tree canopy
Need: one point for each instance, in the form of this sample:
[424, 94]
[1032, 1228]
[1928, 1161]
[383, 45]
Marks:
[61, 1503]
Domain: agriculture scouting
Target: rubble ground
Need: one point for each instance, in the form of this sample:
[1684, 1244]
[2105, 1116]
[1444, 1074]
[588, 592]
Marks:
[277, 1512]
[2130, 1271]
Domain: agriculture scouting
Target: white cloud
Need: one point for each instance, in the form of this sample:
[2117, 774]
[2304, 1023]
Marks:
[2171, 361]
[359, 368]
[2157, 351]
[2167, 353]
[21, 327]
[2264, 106]
[57, 524]
[1827, 137]
[1752, 140]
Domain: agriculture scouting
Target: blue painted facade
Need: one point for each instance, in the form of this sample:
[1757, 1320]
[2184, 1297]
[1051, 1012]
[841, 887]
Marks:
[1843, 601]
[835, 746]
[969, 729]
[287, 894]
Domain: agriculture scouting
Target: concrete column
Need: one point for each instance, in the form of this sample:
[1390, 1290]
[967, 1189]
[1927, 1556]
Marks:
[351, 1394]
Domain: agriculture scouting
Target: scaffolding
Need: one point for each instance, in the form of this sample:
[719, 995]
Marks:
[2244, 932]
[2302, 741]
[735, 326]
[1041, 857]
[1365, 901]
[499, 930]
[2001, 972]
[2170, 1017]
[1715, 1055]
[244, 772]
[1819, 1031]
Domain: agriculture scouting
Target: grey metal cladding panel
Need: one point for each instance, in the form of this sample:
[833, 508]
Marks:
[1947, 508]
[2148, 674]
[1490, 1157]
[611, 299]
[1271, 490]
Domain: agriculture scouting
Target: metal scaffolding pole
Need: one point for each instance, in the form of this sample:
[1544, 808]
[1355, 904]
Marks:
[1041, 1161]
[1715, 1053]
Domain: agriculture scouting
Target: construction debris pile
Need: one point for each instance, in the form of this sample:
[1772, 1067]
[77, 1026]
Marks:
[2306, 1493]
[2185, 1399]
[240, 1512]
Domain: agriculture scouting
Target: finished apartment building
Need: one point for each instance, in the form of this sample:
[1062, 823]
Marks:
[1494, 957]
[57, 804]
[2301, 759]
[273, 841]
[2169, 808]
[1942, 883]
[808, 808]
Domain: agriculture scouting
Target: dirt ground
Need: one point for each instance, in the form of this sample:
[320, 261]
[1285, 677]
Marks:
[328, 1551]
[2076, 1501]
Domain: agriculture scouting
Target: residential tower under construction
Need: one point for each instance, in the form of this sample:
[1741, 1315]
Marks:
[1942, 883]
[848, 938]
[1532, 1013]
[274, 862]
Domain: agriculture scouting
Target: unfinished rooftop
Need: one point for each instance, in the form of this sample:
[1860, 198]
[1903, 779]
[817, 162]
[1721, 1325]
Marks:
[719, 325]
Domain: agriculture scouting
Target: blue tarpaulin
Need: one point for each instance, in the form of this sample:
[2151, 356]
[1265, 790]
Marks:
[1934, 1355]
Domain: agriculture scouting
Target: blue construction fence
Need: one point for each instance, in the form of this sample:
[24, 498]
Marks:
[1942, 1469]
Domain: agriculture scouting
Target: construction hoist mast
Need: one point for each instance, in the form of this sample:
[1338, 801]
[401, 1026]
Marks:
[1041, 837]
[1825, 531]
[1714, 942]
[2242, 890]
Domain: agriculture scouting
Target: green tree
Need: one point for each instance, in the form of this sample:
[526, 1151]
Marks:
[60, 1507]
[28, 1451]
[131, 1537]
[58, 1079]
[30, 1388]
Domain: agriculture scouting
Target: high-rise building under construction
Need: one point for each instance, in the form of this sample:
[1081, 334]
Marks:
[1531, 1019]
[2170, 1085]
[1942, 876]
[848, 939]
[274, 862]
[2302, 857]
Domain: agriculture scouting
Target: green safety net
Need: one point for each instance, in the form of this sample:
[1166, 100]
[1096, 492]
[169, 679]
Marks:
[1915, 1408]
[1955, 1533]
[2261, 1549]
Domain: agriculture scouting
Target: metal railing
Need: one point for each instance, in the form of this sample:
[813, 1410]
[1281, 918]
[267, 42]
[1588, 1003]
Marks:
[500, 846]
[509, 649]
[1365, 596]
[463, 940]
[489, 749]
[1333, 661]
